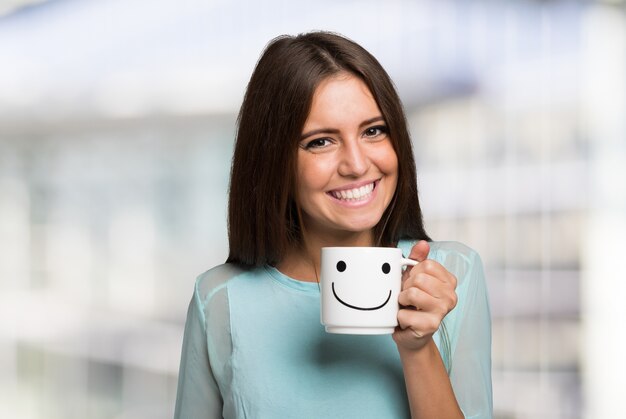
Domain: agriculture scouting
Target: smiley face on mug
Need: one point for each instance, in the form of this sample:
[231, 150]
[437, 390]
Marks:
[383, 295]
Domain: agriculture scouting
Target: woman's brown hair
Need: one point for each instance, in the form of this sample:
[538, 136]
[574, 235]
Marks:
[263, 217]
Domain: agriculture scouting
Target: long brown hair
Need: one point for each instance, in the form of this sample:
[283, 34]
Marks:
[263, 216]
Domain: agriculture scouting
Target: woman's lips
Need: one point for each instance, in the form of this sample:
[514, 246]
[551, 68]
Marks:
[356, 194]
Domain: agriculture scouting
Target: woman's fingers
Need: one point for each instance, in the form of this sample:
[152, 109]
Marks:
[435, 269]
[419, 251]
[436, 282]
[427, 283]
[421, 313]
[421, 323]
[416, 298]
[427, 296]
[437, 300]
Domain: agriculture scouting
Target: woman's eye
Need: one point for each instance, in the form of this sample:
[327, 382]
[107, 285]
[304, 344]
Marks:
[375, 131]
[317, 143]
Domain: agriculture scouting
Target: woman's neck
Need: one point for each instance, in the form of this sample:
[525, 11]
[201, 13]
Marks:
[298, 265]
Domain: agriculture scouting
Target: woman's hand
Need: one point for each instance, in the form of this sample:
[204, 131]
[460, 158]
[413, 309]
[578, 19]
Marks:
[427, 296]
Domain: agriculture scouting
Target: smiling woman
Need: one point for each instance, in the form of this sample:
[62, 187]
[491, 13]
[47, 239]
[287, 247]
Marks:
[293, 77]
[323, 158]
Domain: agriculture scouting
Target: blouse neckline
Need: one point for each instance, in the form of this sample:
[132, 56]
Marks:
[283, 279]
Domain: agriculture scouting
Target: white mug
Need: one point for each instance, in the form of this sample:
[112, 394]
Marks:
[360, 287]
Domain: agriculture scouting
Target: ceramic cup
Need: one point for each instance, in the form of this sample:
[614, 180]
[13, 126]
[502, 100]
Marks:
[360, 287]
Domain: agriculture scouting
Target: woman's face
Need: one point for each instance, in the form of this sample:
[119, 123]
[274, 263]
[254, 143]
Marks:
[347, 167]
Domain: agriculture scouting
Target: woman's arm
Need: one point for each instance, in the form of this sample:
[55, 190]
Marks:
[467, 334]
[428, 386]
[198, 395]
[469, 329]
[427, 296]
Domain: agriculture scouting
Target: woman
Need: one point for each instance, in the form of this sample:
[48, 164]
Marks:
[323, 158]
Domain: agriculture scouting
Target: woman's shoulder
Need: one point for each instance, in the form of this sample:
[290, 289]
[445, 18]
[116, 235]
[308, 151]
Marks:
[446, 248]
[464, 262]
[216, 278]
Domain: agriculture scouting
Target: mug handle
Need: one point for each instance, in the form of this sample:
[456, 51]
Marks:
[408, 262]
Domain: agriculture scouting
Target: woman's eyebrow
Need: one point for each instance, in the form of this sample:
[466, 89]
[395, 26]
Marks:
[371, 120]
[336, 131]
[319, 131]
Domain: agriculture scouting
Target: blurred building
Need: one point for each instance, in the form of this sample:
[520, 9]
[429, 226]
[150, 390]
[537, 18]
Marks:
[116, 130]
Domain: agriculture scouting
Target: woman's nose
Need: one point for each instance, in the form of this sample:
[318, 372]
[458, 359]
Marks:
[354, 160]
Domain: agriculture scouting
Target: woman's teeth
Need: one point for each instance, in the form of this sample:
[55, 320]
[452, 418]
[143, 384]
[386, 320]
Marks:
[356, 194]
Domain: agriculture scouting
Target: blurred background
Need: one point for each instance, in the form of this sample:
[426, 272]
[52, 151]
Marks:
[117, 120]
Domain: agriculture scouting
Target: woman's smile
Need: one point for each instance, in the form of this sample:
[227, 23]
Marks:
[354, 194]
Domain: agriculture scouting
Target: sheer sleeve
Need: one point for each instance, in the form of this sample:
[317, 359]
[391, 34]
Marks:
[470, 357]
[198, 395]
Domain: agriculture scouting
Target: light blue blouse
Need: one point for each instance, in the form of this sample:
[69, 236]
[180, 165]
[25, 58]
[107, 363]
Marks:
[254, 348]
